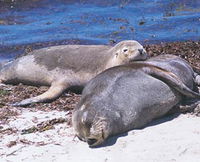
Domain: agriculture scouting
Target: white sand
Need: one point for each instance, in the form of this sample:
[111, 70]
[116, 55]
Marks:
[172, 139]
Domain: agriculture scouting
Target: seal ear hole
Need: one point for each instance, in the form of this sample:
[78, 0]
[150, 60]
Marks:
[116, 54]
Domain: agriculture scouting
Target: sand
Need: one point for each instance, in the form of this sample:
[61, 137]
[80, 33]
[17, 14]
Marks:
[171, 139]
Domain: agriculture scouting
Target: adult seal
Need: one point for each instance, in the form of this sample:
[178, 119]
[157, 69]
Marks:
[130, 96]
[61, 67]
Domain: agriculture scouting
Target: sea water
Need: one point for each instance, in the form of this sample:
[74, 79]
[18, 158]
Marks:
[97, 21]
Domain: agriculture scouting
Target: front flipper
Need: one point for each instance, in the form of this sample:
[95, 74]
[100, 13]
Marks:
[52, 93]
[169, 78]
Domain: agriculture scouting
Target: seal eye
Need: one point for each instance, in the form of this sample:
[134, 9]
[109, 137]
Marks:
[125, 50]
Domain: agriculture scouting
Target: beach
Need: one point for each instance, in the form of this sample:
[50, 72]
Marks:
[44, 131]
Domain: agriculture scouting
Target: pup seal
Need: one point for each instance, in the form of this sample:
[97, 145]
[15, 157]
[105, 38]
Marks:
[61, 67]
[130, 96]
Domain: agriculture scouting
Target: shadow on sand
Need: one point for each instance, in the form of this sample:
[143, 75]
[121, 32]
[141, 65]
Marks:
[112, 140]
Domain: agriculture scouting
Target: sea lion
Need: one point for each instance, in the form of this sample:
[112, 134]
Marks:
[61, 67]
[130, 96]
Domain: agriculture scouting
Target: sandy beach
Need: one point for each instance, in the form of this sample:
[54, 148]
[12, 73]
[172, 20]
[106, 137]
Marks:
[173, 138]
[43, 132]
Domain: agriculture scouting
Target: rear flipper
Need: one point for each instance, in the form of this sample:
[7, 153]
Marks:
[197, 79]
[188, 106]
[52, 93]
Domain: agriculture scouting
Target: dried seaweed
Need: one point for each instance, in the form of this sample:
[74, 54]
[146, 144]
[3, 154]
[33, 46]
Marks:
[46, 125]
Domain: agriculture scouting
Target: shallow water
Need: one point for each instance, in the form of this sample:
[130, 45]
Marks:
[96, 22]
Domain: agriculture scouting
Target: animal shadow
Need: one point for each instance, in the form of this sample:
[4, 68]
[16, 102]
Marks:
[112, 140]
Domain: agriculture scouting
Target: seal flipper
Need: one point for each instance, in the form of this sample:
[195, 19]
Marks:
[52, 93]
[189, 106]
[197, 79]
[171, 79]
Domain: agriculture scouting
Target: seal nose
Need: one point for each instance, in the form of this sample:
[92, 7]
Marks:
[141, 51]
[91, 141]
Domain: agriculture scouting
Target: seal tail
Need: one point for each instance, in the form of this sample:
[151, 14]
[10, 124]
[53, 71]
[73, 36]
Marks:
[171, 79]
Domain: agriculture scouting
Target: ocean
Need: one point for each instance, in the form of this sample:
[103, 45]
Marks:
[95, 22]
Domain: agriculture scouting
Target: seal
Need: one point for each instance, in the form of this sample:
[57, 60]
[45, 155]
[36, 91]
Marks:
[130, 96]
[61, 67]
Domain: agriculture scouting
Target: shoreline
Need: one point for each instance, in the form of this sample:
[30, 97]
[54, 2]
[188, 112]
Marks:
[14, 51]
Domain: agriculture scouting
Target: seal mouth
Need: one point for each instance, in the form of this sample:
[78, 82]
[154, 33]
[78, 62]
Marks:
[141, 56]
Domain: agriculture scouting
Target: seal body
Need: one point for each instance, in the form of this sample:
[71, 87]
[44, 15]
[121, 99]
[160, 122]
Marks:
[61, 67]
[130, 96]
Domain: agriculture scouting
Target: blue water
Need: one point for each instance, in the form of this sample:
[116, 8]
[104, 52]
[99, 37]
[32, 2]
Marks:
[98, 21]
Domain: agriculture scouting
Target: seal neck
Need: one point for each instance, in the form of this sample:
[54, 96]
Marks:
[113, 62]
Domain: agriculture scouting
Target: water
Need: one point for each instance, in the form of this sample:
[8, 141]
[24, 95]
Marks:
[96, 22]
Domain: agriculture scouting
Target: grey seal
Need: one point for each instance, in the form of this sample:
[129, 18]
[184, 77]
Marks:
[61, 67]
[130, 96]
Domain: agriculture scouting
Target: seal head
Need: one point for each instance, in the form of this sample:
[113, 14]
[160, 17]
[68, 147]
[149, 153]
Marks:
[95, 127]
[92, 129]
[130, 50]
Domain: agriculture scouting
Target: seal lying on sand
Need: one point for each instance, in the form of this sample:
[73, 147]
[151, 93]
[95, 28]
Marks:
[61, 67]
[129, 96]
